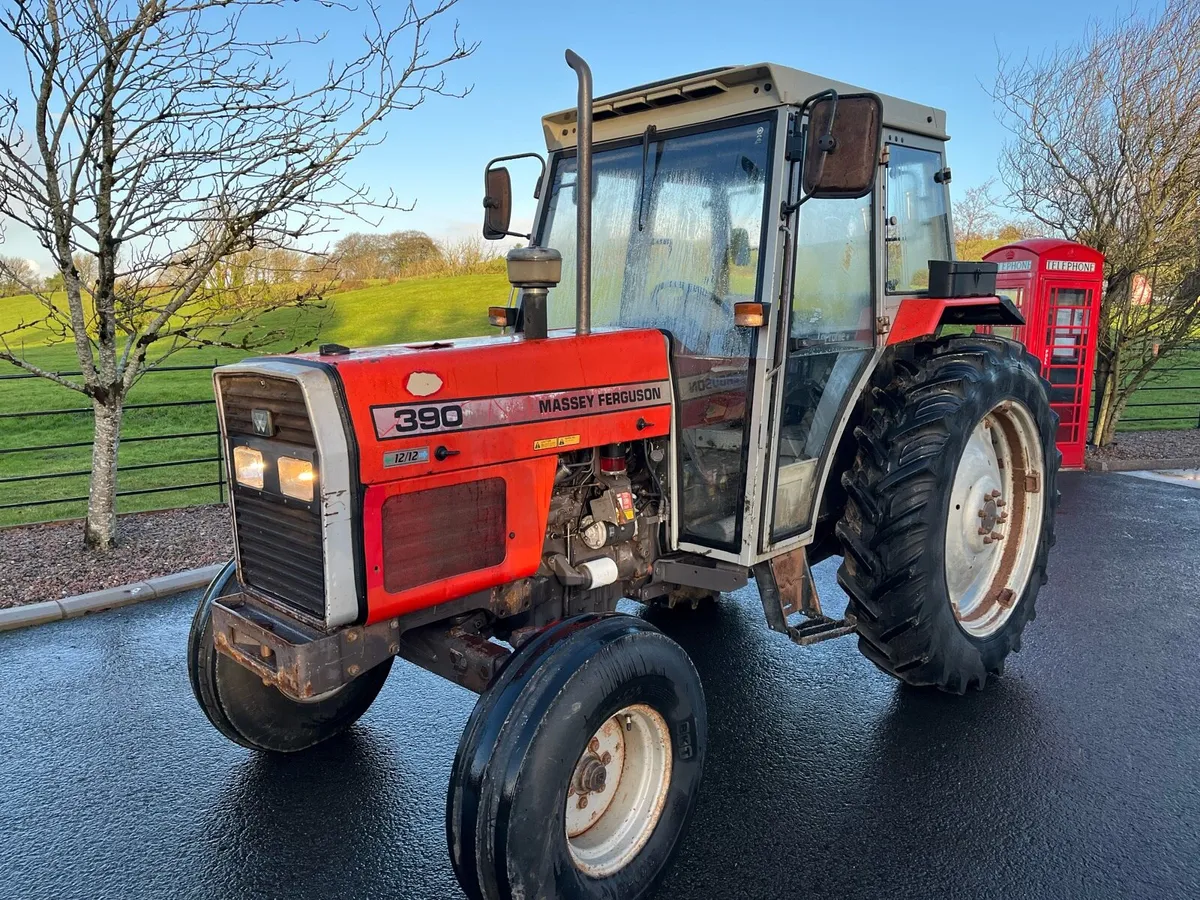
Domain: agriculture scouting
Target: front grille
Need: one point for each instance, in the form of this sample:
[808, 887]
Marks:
[242, 393]
[279, 542]
[280, 550]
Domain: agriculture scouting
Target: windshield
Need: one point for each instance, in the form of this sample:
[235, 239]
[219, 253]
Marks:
[674, 241]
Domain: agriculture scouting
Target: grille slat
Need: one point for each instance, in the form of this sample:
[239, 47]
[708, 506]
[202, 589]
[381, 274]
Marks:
[242, 393]
[280, 554]
[279, 547]
[282, 545]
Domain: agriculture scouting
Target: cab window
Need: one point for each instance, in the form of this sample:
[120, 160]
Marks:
[918, 222]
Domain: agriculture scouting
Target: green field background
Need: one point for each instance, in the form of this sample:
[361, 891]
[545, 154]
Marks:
[401, 312]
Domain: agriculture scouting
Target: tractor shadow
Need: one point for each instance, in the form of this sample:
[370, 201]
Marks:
[357, 816]
[825, 776]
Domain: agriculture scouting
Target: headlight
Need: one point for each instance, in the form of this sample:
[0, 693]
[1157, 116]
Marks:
[248, 467]
[296, 477]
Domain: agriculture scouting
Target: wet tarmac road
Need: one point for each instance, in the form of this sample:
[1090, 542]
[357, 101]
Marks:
[1076, 775]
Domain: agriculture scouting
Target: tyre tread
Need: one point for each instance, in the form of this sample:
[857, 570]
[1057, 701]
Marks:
[916, 395]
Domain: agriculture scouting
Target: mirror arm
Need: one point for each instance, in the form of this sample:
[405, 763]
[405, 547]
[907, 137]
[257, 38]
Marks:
[541, 175]
[825, 142]
[786, 209]
[489, 203]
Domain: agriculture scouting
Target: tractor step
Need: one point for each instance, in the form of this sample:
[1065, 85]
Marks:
[787, 589]
[813, 631]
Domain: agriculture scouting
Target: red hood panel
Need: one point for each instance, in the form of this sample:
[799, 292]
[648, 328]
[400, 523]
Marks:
[482, 401]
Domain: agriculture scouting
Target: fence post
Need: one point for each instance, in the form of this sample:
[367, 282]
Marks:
[220, 443]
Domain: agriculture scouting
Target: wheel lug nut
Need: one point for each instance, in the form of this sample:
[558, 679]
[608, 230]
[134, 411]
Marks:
[983, 531]
[996, 536]
[995, 494]
[582, 801]
[983, 514]
[987, 540]
[606, 757]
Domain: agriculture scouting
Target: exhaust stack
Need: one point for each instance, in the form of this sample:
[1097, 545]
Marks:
[583, 196]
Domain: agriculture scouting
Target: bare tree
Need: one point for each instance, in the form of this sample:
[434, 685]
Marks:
[981, 224]
[18, 276]
[163, 137]
[363, 257]
[1105, 149]
[976, 214]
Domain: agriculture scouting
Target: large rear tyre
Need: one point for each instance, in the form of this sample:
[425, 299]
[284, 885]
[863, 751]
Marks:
[578, 769]
[257, 715]
[950, 512]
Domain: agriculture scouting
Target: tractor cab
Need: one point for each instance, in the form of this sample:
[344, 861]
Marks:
[707, 217]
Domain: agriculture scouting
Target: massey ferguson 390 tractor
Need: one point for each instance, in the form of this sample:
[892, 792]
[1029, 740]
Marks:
[741, 375]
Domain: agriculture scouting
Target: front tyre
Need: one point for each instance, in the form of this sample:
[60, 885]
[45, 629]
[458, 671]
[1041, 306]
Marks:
[257, 715]
[579, 767]
[950, 513]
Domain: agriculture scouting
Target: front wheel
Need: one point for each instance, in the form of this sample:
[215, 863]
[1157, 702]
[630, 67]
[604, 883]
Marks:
[579, 767]
[950, 512]
[256, 715]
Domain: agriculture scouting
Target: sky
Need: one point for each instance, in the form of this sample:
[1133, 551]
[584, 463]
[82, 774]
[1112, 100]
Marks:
[941, 53]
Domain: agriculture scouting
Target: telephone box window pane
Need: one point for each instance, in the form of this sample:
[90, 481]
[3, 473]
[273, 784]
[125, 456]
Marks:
[1016, 295]
[1070, 317]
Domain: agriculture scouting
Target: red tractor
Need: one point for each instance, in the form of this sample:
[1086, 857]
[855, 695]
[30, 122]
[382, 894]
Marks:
[742, 376]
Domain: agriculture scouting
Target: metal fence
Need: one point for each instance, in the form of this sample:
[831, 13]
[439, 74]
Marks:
[1179, 408]
[211, 430]
[1149, 407]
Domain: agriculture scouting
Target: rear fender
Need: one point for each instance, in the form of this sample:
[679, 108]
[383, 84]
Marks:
[923, 316]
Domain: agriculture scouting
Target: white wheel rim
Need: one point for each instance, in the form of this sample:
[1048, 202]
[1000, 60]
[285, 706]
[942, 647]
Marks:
[995, 519]
[618, 790]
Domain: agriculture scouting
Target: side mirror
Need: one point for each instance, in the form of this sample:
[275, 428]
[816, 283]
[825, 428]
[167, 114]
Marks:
[841, 152]
[497, 203]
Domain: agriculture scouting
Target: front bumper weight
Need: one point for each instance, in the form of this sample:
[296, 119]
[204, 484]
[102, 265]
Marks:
[301, 661]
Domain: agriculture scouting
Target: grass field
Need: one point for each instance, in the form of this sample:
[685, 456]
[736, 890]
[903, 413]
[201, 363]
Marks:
[410, 310]
[1176, 385]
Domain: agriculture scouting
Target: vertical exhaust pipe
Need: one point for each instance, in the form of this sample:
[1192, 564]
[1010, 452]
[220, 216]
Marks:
[583, 196]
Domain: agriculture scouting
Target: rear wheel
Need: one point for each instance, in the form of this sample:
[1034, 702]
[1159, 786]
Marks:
[950, 512]
[578, 770]
[257, 715]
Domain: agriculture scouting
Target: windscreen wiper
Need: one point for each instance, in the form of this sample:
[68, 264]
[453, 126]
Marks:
[647, 136]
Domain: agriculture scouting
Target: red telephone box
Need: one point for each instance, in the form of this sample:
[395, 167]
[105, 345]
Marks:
[1057, 286]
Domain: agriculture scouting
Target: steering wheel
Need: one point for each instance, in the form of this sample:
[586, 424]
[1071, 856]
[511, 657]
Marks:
[687, 288]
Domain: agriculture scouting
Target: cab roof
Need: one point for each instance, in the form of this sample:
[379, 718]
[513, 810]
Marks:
[718, 93]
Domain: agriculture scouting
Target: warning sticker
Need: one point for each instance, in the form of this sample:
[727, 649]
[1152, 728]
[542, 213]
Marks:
[567, 440]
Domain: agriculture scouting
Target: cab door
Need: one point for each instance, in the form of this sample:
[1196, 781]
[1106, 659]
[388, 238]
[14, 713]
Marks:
[826, 344]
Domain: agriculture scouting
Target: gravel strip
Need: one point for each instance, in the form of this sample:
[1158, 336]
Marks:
[1180, 444]
[49, 562]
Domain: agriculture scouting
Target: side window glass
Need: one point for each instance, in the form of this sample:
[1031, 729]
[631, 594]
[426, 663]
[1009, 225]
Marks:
[918, 223]
[831, 294]
[829, 341]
